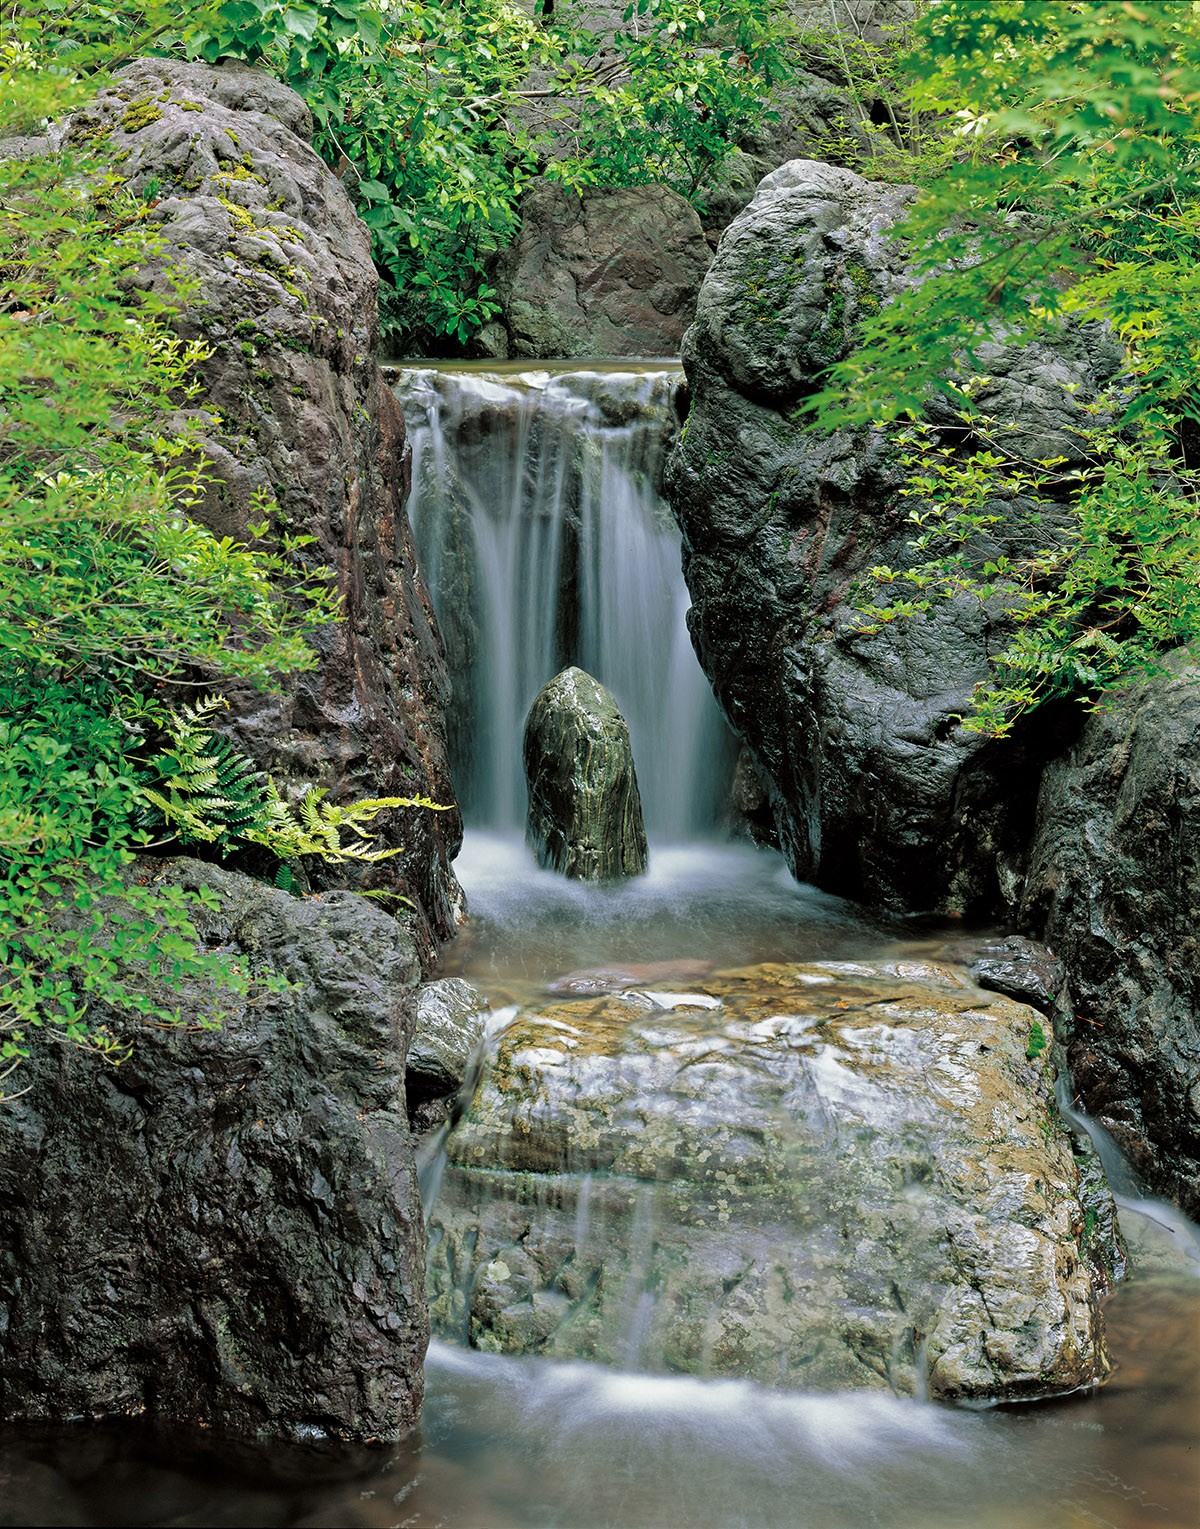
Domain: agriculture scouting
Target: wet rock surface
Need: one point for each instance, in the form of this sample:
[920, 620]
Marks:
[451, 1015]
[875, 790]
[1114, 882]
[585, 814]
[1019, 968]
[605, 273]
[824, 1176]
[285, 299]
[225, 1230]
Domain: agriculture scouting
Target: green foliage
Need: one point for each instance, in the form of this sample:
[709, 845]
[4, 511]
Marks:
[436, 116]
[205, 792]
[1073, 198]
[107, 590]
[1037, 1041]
[877, 131]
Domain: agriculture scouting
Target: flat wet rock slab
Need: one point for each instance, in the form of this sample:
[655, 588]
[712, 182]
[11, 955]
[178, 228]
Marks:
[823, 1176]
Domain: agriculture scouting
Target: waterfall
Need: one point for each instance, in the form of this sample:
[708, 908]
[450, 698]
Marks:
[545, 542]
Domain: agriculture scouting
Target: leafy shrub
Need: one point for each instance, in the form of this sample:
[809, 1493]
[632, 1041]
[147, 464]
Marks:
[203, 791]
[1074, 197]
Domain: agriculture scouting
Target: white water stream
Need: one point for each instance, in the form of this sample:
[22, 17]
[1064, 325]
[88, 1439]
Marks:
[545, 542]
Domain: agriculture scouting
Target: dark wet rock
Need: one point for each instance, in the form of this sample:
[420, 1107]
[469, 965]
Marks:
[875, 789]
[451, 1016]
[1020, 969]
[585, 814]
[605, 273]
[225, 1230]
[1114, 884]
[825, 1176]
[285, 298]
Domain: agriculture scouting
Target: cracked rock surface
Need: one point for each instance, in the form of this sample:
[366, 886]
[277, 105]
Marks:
[225, 1230]
[825, 1176]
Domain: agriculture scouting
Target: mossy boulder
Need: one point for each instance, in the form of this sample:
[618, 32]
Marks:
[585, 813]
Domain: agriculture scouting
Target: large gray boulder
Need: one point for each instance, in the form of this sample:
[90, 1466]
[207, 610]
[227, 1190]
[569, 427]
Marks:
[225, 1230]
[875, 789]
[820, 1177]
[603, 273]
[1114, 884]
[294, 405]
[585, 813]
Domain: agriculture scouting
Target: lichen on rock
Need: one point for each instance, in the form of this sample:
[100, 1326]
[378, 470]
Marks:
[876, 790]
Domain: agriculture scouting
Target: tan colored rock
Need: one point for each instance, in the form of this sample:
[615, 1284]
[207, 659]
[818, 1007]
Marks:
[820, 1176]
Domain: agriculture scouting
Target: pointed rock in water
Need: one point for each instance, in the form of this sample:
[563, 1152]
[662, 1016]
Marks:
[585, 814]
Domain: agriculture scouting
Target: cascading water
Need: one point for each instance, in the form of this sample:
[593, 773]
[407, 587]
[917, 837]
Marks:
[545, 542]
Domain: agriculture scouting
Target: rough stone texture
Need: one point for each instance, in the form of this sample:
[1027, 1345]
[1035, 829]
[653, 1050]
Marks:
[876, 791]
[450, 1022]
[823, 1176]
[585, 814]
[286, 301]
[225, 1230]
[1020, 969]
[1114, 883]
[608, 273]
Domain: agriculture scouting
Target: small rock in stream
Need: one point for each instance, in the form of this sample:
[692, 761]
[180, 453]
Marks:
[585, 813]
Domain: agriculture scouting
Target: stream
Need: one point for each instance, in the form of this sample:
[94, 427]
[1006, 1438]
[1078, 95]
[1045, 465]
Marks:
[537, 513]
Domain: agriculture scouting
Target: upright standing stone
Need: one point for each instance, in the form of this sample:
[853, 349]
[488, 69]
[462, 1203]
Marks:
[585, 814]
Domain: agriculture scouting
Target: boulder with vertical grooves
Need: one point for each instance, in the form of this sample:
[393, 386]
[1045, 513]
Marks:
[585, 814]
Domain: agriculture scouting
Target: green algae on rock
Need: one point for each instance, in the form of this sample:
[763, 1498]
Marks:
[820, 1177]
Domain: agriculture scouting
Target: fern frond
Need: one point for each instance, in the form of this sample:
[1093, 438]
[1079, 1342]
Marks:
[206, 792]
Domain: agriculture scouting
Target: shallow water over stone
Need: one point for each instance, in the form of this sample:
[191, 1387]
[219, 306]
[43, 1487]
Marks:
[513, 1443]
[829, 1175]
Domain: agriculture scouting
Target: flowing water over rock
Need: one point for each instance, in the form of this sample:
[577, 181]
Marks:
[524, 1442]
[823, 1176]
[545, 543]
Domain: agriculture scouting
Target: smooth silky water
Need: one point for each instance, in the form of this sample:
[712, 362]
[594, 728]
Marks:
[537, 513]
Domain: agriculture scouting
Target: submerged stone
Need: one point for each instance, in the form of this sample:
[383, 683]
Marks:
[821, 1177]
[585, 813]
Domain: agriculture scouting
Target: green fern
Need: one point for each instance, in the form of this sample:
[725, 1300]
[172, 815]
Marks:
[205, 792]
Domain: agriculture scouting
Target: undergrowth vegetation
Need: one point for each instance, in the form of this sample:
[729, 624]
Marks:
[1072, 198]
